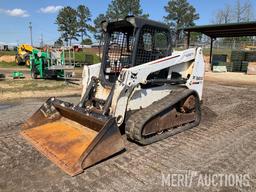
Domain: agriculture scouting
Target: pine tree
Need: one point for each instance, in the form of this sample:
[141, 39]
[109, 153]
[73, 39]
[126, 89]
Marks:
[97, 25]
[180, 14]
[83, 17]
[67, 24]
[118, 9]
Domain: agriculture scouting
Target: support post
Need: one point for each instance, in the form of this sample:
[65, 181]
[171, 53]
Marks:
[30, 29]
[188, 39]
[210, 60]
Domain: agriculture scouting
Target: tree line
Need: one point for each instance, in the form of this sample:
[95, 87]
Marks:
[237, 12]
[74, 24]
[234, 13]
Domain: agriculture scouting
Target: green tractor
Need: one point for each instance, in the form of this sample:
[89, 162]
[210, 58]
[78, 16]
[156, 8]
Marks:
[46, 65]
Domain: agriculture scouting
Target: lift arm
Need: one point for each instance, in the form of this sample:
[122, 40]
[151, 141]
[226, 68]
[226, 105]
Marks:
[178, 62]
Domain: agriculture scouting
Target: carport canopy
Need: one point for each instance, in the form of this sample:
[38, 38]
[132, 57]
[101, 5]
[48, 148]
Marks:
[223, 30]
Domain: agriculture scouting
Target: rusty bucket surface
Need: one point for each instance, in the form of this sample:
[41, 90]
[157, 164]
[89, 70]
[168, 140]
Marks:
[71, 139]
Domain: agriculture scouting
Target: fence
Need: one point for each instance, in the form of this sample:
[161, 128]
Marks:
[233, 44]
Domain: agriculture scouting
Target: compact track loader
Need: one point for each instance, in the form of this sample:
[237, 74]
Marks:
[140, 83]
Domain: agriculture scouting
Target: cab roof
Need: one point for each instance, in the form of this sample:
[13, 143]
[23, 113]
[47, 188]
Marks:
[132, 21]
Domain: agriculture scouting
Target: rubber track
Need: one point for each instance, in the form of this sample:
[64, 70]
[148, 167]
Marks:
[136, 122]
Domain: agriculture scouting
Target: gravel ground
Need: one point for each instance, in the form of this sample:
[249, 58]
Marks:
[224, 143]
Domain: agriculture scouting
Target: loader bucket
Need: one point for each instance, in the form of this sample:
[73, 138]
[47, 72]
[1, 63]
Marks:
[70, 138]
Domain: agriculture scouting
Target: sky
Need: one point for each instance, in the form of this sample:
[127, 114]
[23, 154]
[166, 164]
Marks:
[15, 16]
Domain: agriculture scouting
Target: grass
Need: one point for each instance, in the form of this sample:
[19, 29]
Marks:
[80, 57]
[31, 85]
[35, 86]
[4, 64]
[7, 53]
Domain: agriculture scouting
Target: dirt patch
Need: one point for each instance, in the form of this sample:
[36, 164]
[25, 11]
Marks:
[231, 78]
[92, 50]
[7, 58]
[223, 143]
[207, 64]
[16, 89]
[38, 94]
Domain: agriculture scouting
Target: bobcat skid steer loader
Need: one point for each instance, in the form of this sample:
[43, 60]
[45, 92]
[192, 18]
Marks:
[140, 83]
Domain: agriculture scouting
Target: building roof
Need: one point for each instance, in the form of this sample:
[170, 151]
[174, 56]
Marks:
[226, 30]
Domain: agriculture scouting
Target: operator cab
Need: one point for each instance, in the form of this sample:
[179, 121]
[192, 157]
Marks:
[131, 42]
